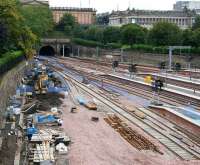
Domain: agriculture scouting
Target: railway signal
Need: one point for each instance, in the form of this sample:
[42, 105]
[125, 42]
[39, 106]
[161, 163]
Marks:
[115, 64]
[162, 65]
[132, 69]
[177, 67]
[156, 88]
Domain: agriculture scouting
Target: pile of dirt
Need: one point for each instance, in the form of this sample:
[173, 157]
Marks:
[47, 101]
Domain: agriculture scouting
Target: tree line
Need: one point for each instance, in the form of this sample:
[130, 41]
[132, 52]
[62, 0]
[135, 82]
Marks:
[161, 34]
[21, 27]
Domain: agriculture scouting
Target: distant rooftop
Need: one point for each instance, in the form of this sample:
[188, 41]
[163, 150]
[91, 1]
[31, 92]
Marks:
[164, 13]
[73, 9]
[43, 2]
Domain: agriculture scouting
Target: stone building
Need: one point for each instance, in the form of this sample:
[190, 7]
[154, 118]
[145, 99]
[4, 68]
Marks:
[34, 2]
[146, 18]
[84, 16]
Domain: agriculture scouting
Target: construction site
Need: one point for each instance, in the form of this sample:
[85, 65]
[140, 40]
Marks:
[83, 111]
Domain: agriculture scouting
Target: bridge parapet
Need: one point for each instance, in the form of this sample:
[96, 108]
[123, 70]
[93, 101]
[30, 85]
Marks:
[60, 46]
[53, 40]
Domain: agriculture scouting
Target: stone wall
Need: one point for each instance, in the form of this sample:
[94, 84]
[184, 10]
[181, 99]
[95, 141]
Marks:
[8, 84]
[133, 57]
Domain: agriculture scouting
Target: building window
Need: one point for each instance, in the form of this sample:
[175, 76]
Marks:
[120, 21]
[133, 20]
[182, 22]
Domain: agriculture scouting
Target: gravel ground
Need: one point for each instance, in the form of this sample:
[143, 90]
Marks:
[99, 144]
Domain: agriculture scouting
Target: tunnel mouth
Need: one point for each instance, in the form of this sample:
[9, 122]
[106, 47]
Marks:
[47, 51]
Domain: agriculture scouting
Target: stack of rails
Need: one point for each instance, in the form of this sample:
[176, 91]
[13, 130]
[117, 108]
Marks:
[136, 140]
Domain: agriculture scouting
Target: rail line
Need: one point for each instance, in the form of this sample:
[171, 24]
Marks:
[105, 66]
[140, 67]
[161, 124]
[175, 97]
[172, 144]
[142, 90]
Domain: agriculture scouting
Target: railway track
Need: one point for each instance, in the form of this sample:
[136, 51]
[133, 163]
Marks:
[184, 84]
[174, 145]
[160, 122]
[107, 66]
[144, 68]
[166, 95]
[141, 89]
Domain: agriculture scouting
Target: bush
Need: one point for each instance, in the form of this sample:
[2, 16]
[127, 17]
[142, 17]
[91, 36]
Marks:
[133, 34]
[91, 43]
[136, 47]
[164, 33]
[142, 48]
[9, 60]
[111, 34]
[87, 42]
[114, 45]
[146, 48]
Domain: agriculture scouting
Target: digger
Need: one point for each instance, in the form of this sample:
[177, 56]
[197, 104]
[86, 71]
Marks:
[41, 84]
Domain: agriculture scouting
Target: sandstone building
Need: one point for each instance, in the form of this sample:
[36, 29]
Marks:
[84, 16]
[34, 2]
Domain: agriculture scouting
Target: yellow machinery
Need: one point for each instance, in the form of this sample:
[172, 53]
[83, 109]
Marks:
[41, 84]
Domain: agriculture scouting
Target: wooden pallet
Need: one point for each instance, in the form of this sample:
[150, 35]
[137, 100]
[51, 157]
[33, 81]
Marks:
[43, 152]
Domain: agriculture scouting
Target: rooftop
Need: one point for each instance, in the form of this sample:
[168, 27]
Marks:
[43, 2]
[73, 9]
[166, 13]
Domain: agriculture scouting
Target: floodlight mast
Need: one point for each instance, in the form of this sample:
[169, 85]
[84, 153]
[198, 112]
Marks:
[171, 48]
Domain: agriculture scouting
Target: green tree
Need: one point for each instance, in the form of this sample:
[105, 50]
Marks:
[133, 34]
[13, 29]
[38, 18]
[10, 19]
[164, 33]
[196, 24]
[26, 41]
[187, 37]
[196, 38]
[3, 36]
[112, 34]
[67, 23]
[94, 33]
[79, 31]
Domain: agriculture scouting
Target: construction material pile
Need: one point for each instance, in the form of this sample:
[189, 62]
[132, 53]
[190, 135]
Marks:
[45, 142]
[42, 115]
[135, 139]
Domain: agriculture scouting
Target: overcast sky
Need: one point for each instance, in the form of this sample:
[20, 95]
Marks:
[109, 5]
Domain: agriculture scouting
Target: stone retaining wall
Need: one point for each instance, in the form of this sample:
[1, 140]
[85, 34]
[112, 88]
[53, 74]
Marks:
[133, 57]
[8, 84]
